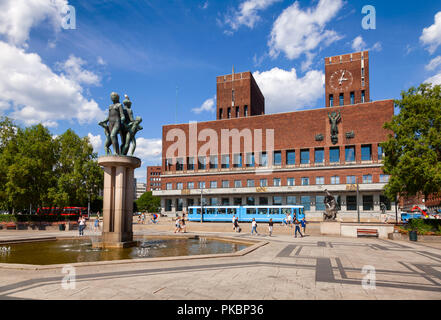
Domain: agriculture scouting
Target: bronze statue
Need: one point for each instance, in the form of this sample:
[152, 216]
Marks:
[331, 207]
[120, 121]
[334, 118]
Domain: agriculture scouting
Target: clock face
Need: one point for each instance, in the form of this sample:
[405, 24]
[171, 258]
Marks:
[341, 80]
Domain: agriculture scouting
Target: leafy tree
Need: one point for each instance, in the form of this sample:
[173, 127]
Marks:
[413, 152]
[148, 203]
[8, 133]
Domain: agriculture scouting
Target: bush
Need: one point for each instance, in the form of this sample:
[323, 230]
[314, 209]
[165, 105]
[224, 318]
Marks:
[35, 218]
[424, 226]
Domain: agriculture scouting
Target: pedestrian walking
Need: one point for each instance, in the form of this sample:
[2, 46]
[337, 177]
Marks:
[183, 227]
[81, 225]
[270, 227]
[234, 222]
[290, 220]
[96, 225]
[297, 226]
[178, 224]
[254, 227]
[303, 223]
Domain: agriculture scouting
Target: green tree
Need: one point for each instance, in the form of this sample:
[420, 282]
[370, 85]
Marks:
[8, 134]
[413, 151]
[79, 178]
[148, 203]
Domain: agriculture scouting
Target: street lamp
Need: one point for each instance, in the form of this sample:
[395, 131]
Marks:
[202, 206]
[358, 205]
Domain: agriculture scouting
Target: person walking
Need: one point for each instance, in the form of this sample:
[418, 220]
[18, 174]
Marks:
[254, 227]
[297, 226]
[290, 220]
[183, 227]
[236, 225]
[303, 223]
[96, 225]
[178, 225]
[81, 225]
[270, 227]
[234, 222]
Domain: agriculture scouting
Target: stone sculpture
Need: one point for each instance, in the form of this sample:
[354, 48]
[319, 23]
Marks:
[120, 122]
[334, 118]
[331, 207]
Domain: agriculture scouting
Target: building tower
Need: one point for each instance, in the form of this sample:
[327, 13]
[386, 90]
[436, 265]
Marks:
[347, 79]
[238, 95]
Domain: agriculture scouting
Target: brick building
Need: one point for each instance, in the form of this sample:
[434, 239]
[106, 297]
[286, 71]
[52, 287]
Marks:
[154, 178]
[248, 158]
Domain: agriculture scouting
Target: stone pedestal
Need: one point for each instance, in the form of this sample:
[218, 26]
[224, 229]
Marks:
[118, 200]
[330, 228]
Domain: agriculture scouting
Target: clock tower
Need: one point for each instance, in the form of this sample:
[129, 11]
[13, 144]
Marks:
[347, 79]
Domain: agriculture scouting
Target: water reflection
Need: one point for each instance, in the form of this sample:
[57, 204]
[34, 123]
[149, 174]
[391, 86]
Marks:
[80, 250]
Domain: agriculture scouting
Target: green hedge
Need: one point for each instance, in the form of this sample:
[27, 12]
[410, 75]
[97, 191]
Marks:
[34, 218]
[424, 226]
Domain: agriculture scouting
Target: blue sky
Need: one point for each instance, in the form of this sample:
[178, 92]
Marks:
[146, 49]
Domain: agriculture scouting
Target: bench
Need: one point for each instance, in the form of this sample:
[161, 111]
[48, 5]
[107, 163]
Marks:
[367, 233]
[11, 226]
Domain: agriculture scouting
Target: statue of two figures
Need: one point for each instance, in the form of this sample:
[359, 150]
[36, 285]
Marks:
[331, 206]
[121, 122]
[334, 119]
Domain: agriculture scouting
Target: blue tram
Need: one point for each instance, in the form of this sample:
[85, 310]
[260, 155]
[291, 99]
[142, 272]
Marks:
[245, 213]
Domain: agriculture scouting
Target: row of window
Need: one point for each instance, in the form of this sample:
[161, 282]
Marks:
[277, 182]
[319, 158]
[155, 179]
[237, 111]
[352, 95]
[306, 201]
[155, 173]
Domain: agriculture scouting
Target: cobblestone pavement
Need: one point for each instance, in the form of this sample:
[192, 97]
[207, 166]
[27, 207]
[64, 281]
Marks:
[313, 267]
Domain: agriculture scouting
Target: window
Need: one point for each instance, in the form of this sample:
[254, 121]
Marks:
[237, 201]
[250, 201]
[380, 152]
[220, 114]
[263, 201]
[168, 205]
[263, 159]
[179, 164]
[245, 110]
[213, 202]
[201, 185]
[232, 95]
[190, 202]
[386, 201]
[225, 161]
[190, 163]
[306, 202]
[237, 112]
[225, 184]
[352, 98]
[384, 178]
[179, 186]
[291, 200]
[319, 156]
[277, 158]
[238, 184]
[250, 183]
[305, 181]
[351, 180]
[335, 180]
[277, 201]
[350, 154]
[213, 184]
[334, 155]
[331, 100]
[277, 182]
[362, 82]
[363, 97]
[291, 182]
[201, 163]
[290, 157]
[190, 185]
[351, 203]
[229, 113]
[213, 162]
[250, 160]
[263, 182]
[225, 201]
[320, 181]
[367, 178]
[304, 157]
[362, 72]
[237, 160]
[169, 186]
[342, 99]
[320, 203]
[368, 203]
[366, 153]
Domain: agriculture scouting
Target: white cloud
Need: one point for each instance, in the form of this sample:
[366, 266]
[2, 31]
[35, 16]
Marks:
[208, 105]
[205, 5]
[358, 44]
[17, 17]
[248, 13]
[431, 36]
[284, 91]
[72, 68]
[297, 32]
[37, 94]
[434, 64]
[149, 150]
[436, 79]
[101, 61]
[95, 141]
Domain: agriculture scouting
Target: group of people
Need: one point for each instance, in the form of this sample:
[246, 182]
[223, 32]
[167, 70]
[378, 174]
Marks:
[298, 224]
[142, 218]
[180, 224]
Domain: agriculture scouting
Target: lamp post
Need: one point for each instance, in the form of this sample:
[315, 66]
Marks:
[358, 194]
[202, 206]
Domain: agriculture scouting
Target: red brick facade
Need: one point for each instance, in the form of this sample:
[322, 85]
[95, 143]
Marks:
[154, 178]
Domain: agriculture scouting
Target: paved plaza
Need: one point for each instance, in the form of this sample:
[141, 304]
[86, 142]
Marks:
[314, 267]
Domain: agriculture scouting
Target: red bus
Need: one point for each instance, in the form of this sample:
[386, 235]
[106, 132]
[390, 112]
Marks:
[66, 211]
